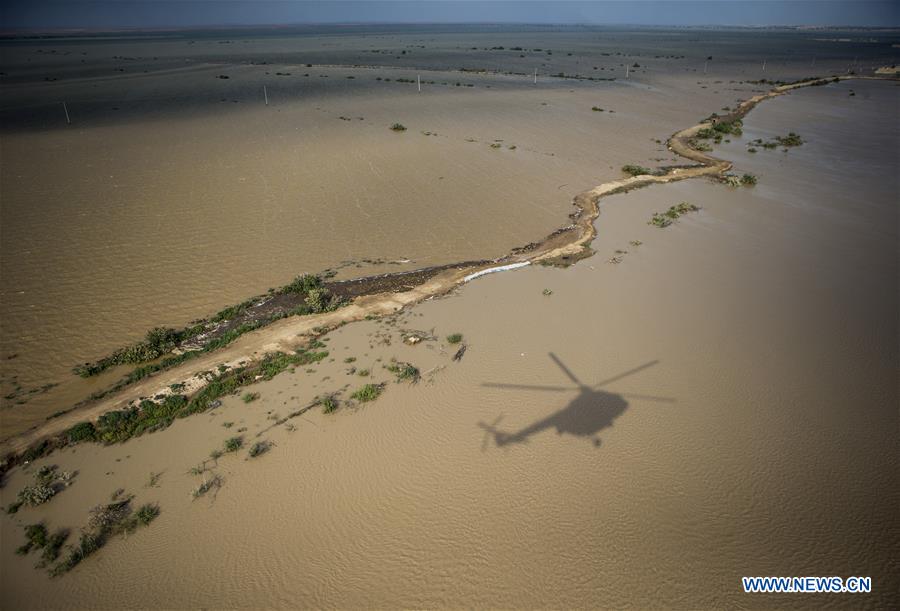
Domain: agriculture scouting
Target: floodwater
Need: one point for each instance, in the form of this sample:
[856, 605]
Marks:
[175, 192]
[721, 403]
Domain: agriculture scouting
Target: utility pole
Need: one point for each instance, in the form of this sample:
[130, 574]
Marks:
[66, 110]
[535, 76]
[419, 82]
[626, 70]
[764, 65]
[266, 95]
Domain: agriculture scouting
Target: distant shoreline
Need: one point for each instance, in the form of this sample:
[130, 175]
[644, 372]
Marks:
[163, 31]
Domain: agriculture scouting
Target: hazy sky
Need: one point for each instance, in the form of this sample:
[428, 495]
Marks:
[149, 13]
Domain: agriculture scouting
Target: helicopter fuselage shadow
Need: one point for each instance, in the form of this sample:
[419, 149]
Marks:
[591, 411]
[585, 416]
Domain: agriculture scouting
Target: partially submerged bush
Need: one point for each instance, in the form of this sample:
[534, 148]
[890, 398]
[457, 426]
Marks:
[35, 537]
[664, 219]
[731, 180]
[158, 341]
[748, 180]
[233, 444]
[105, 521]
[454, 338]
[259, 448]
[303, 284]
[147, 513]
[398, 127]
[791, 139]
[48, 481]
[35, 495]
[213, 483]
[329, 404]
[369, 392]
[636, 170]
[404, 371]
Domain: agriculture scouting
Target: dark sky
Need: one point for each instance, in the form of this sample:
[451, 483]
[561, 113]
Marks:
[15, 14]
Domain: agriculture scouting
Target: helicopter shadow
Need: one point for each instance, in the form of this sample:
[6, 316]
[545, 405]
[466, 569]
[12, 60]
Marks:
[589, 413]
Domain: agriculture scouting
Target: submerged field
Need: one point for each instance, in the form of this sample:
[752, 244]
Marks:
[694, 403]
[176, 192]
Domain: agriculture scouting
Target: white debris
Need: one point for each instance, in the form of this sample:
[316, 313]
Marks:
[491, 270]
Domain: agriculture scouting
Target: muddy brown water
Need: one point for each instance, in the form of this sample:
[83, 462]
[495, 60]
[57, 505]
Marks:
[174, 193]
[724, 404]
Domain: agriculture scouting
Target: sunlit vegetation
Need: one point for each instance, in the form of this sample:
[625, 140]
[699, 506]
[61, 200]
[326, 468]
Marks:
[48, 482]
[106, 521]
[636, 170]
[316, 298]
[120, 425]
[329, 405]
[788, 141]
[398, 127]
[664, 219]
[454, 338]
[367, 393]
[404, 371]
[158, 341]
[37, 537]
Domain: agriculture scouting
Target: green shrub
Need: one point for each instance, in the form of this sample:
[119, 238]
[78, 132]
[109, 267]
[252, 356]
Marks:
[369, 392]
[53, 547]
[233, 444]
[398, 127]
[664, 219]
[791, 139]
[734, 128]
[748, 180]
[404, 371]
[250, 397]
[83, 431]
[37, 450]
[147, 513]
[636, 170]
[35, 538]
[303, 284]
[328, 405]
[454, 338]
